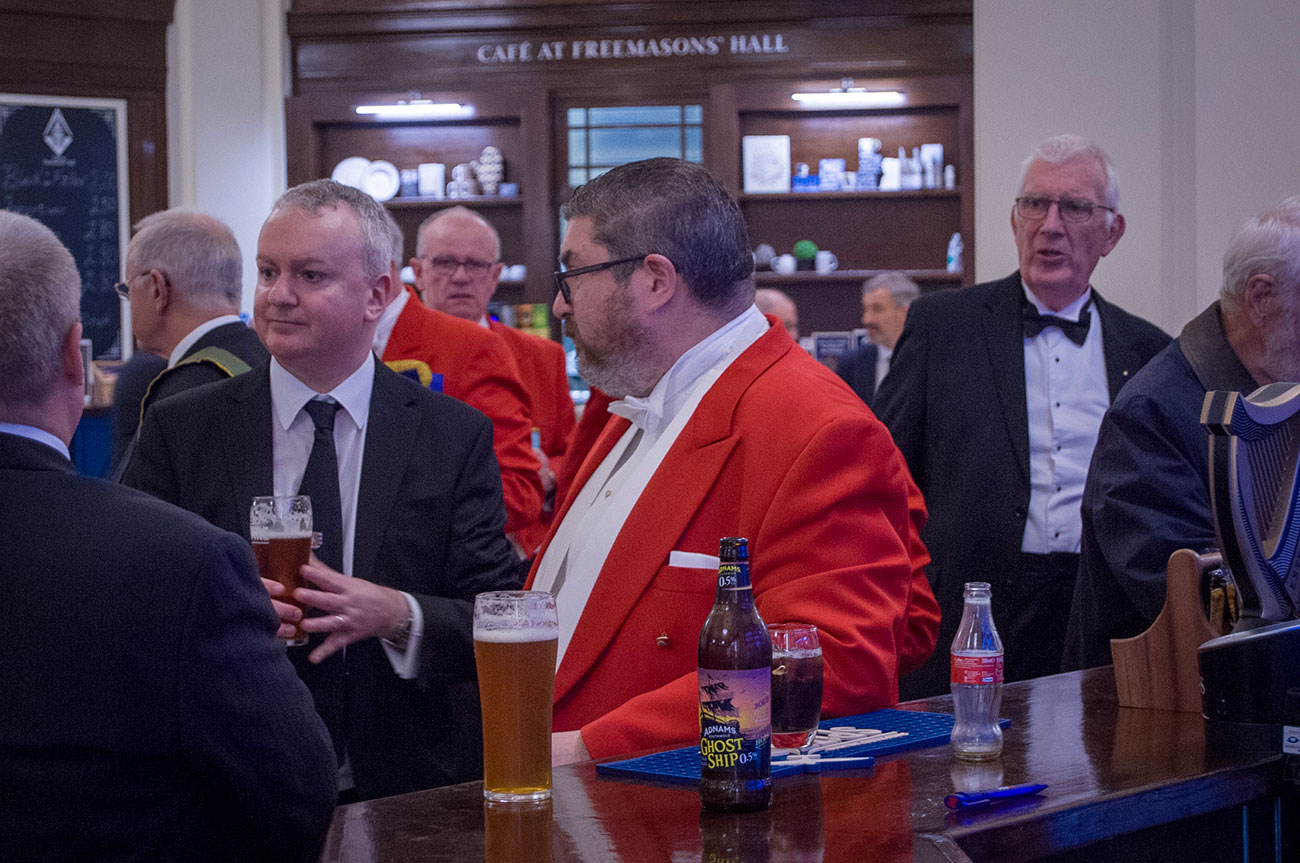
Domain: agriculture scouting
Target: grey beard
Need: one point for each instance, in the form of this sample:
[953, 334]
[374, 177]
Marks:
[618, 376]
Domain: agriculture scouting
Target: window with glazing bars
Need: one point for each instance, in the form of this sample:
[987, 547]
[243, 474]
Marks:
[604, 138]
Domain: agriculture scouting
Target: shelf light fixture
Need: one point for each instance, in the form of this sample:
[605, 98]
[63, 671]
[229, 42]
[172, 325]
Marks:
[847, 96]
[416, 108]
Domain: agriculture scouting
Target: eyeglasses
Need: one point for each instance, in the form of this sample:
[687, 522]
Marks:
[445, 266]
[1071, 209]
[124, 288]
[562, 276]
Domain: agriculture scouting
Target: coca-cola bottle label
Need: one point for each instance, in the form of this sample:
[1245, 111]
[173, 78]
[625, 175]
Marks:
[735, 718]
[976, 670]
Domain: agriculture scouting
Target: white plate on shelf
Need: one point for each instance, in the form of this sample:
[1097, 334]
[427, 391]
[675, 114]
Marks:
[381, 180]
[349, 171]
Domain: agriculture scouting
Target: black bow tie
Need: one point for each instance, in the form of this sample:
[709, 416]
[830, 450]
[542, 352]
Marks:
[1075, 331]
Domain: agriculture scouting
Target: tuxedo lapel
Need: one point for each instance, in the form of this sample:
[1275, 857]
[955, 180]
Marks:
[246, 443]
[1006, 349]
[867, 372]
[1121, 359]
[391, 426]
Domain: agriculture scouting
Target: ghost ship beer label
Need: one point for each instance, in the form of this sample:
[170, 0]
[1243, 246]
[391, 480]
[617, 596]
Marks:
[735, 721]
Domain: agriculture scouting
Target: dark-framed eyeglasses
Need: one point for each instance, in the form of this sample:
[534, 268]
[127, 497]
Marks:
[562, 276]
[445, 265]
[1071, 209]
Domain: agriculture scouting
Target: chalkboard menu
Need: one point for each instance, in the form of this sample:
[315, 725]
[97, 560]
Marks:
[63, 162]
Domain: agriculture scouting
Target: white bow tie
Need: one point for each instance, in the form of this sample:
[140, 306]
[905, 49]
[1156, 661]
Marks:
[641, 412]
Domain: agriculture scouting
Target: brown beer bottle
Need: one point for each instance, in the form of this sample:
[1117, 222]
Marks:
[735, 680]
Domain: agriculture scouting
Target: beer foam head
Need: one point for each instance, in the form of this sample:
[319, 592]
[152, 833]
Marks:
[515, 636]
[265, 532]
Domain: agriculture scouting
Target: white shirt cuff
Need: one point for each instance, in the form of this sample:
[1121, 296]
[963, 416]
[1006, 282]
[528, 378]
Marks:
[406, 663]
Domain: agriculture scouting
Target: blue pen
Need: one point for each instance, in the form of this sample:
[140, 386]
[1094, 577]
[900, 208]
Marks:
[973, 799]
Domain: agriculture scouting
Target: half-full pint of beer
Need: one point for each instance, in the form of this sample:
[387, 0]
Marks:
[280, 530]
[515, 639]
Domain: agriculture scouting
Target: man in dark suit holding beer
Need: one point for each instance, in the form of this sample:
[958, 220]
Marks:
[404, 490]
[148, 711]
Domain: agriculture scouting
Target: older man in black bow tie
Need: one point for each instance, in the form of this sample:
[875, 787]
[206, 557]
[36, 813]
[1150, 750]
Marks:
[995, 395]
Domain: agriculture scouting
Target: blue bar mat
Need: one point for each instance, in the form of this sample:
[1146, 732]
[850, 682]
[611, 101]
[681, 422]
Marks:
[682, 766]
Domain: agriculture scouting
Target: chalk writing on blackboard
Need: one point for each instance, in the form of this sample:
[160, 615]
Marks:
[61, 162]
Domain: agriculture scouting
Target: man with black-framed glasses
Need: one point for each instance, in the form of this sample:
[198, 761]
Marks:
[995, 394]
[457, 265]
[721, 426]
[473, 365]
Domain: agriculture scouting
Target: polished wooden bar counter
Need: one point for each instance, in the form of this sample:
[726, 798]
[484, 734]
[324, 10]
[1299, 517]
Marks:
[1124, 784]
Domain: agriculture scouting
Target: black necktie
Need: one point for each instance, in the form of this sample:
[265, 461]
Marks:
[1075, 331]
[320, 481]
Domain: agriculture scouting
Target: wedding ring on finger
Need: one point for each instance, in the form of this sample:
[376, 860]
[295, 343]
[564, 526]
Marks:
[341, 619]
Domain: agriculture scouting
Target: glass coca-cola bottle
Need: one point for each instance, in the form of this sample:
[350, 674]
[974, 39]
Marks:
[976, 678]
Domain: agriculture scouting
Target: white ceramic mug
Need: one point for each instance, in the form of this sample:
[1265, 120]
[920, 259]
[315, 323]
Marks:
[783, 264]
[432, 179]
[825, 262]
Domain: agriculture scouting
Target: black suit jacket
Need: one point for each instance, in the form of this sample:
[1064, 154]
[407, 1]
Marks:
[430, 521]
[129, 389]
[240, 340]
[954, 400]
[858, 370]
[148, 711]
[233, 337]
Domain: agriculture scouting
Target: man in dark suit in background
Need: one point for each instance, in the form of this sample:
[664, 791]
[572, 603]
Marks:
[403, 483]
[885, 298]
[183, 273]
[995, 395]
[148, 711]
[183, 280]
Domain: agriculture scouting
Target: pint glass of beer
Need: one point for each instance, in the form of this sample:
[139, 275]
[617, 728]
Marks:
[515, 636]
[796, 684]
[280, 528]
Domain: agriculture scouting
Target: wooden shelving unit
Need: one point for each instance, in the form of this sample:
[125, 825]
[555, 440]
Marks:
[524, 115]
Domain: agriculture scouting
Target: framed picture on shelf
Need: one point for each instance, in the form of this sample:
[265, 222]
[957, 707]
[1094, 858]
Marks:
[766, 160]
[829, 347]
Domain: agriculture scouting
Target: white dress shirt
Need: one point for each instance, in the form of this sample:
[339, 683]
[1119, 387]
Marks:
[39, 435]
[883, 356]
[1067, 393]
[292, 433]
[197, 333]
[583, 540]
[388, 320]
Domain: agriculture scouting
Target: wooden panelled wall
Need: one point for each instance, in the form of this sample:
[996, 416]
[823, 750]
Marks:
[522, 63]
[114, 49]
[431, 44]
